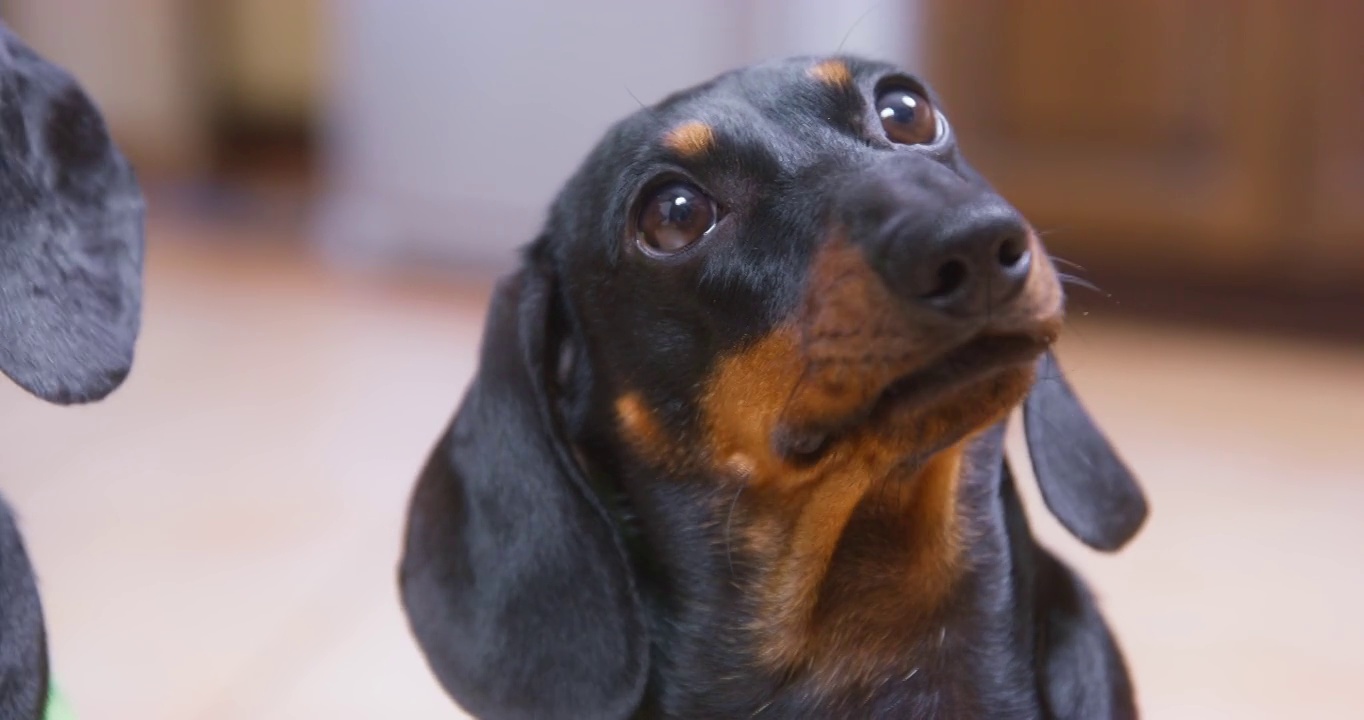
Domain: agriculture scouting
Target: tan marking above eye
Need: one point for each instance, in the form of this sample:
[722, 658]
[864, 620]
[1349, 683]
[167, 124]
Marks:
[834, 73]
[690, 139]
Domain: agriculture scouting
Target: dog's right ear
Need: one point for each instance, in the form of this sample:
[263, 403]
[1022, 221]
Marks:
[513, 578]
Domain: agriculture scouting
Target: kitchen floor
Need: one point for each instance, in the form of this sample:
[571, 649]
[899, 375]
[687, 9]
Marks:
[219, 539]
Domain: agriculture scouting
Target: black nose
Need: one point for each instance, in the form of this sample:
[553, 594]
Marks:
[969, 265]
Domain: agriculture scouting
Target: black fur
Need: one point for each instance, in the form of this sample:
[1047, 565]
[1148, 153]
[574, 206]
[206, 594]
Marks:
[1104, 508]
[70, 298]
[23, 639]
[548, 573]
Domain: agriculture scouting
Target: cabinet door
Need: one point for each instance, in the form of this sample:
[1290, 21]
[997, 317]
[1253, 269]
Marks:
[1140, 132]
[1331, 139]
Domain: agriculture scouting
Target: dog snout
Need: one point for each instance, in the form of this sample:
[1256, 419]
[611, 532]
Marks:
[944, 244]
[975, 262]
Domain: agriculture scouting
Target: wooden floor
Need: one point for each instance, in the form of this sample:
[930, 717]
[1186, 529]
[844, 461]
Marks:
[218, 540]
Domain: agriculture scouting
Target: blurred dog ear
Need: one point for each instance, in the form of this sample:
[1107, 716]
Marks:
[1084, 483]
[514, 580]
[23, 640]
[70, 236]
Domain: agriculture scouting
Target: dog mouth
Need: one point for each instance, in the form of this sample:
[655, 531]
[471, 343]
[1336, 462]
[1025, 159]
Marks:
[973, 364]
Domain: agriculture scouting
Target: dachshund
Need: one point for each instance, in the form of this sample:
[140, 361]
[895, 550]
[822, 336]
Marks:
[735, 444]
[71, 245]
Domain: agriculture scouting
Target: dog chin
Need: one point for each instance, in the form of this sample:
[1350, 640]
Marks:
[966, 390]
[960, 413]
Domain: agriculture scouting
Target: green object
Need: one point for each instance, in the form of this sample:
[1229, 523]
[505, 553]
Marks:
[57, 707]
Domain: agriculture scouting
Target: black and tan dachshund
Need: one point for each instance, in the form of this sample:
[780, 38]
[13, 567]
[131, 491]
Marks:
[735, 446]
[70, 299]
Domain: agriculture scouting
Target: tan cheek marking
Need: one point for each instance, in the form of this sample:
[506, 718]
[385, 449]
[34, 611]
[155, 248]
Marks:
[690, 139]
[856, 335]
[742, 401]
[833, 73]
[641, 428]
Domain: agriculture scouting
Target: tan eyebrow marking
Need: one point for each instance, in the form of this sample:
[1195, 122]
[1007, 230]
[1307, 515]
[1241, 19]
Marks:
[690, 139]
[834, 73]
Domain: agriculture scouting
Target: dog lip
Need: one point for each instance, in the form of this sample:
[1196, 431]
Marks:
[969, 362]
[972, 361]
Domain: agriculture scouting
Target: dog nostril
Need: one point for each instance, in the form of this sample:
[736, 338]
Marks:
[951, 276]
[1011, 250]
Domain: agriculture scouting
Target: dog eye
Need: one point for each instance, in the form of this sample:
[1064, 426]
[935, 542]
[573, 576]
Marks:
[906, 117]
[675, 216]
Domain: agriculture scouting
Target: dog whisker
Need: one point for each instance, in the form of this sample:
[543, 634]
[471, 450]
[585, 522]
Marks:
[856, 23]
[729, 524]
[1068, 263]
[1068, 279]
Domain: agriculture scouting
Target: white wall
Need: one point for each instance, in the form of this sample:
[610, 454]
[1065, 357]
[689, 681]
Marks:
[453, 123]
[881, 29]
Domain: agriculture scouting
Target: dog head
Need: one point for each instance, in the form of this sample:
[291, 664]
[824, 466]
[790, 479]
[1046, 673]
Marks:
[785, 279]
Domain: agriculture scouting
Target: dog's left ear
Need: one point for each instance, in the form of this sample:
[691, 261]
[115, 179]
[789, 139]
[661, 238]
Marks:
[1084, 483]
[70, 236]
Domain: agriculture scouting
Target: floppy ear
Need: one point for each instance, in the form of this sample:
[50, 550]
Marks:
[1082, 675]
[514, 581]
[1084, 482]
[23, 641]
[70, 236]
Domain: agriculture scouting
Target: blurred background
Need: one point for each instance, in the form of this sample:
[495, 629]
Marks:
[334, 186]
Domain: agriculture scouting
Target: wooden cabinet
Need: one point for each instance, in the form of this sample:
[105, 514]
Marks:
[1333, 143]
[1217, 137]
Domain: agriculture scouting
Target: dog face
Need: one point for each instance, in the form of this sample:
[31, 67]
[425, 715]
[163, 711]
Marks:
[779, 315]
[809, 272]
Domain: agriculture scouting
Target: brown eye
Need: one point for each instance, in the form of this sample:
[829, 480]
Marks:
[906, 117]
[675, 216]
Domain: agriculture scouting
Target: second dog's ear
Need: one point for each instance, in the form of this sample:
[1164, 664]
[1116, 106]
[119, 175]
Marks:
[70, 236]
[1083, 481]
[23, 639]
[514, 579]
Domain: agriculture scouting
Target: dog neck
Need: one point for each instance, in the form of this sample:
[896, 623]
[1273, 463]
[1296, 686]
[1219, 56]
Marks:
[841, 573]
[867, 597]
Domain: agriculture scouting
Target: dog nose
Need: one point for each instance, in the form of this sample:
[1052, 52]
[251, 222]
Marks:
[971, 264]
